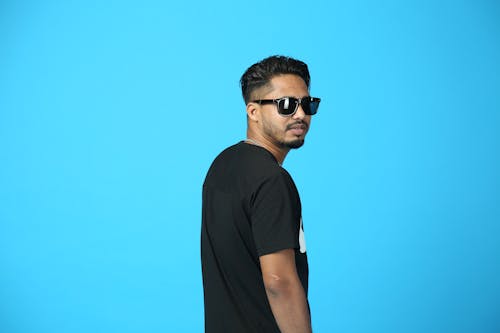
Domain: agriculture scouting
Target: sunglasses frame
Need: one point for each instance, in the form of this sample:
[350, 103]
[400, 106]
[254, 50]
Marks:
[290, 98]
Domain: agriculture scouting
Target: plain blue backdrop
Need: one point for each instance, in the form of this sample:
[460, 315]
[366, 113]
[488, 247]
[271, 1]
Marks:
[112, 111]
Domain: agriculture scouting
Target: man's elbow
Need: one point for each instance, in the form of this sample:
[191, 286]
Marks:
[279, 286]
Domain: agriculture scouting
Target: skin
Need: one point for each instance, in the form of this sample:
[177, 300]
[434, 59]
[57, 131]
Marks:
[276, 133]
[279, 134]
[285, 293]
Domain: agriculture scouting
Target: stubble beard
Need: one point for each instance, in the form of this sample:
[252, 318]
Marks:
[294, 144]
[291, 144]
[274, 133]
[298, 141]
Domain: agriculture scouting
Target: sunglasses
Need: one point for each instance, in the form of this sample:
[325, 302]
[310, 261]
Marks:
[287, 106]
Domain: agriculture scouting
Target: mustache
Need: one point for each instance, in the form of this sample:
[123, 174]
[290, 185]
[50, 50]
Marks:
[301, 124]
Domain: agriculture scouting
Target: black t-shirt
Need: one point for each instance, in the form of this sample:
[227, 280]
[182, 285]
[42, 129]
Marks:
[251, 207]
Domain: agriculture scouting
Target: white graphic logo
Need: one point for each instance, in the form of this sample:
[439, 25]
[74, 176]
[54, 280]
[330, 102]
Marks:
[302, 238]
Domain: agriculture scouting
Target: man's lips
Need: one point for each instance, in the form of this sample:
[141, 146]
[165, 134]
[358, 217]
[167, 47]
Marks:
[297, 128]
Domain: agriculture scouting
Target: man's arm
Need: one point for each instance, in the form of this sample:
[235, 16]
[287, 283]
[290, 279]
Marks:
[285, 292]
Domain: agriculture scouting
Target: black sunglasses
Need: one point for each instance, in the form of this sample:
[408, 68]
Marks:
[287, 106]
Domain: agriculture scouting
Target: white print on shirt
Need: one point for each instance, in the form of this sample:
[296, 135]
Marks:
[302, 238]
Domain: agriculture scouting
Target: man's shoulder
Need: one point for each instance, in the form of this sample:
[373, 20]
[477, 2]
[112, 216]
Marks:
[230, 151]
[247, 161]
[247, 155]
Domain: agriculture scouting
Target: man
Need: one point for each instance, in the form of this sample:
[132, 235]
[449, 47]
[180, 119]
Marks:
[254, 263]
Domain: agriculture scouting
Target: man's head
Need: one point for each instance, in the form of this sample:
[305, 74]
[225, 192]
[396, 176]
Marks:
[279, 108]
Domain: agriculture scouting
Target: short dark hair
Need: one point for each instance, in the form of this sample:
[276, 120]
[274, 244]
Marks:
[261, 73]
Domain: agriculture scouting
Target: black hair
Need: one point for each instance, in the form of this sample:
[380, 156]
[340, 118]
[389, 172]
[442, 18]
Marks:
[261, 73]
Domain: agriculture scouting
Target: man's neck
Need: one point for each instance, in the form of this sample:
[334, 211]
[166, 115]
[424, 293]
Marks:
[278, 153]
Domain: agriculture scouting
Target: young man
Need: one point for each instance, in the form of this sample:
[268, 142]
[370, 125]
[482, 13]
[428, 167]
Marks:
[255, 272]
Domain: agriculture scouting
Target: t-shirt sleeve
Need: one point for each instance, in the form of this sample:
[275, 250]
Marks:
[276, 215]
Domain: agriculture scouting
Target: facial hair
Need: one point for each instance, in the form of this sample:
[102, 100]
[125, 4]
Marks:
[293, 144]
[297, 143]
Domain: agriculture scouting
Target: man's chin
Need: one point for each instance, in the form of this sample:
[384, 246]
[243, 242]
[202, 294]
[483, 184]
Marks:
[295, 144]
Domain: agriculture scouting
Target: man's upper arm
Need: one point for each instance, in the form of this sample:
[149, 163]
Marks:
[278, 268]
[276, 215]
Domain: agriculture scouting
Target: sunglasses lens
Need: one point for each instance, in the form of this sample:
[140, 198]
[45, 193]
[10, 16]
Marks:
[287, 106]
[311, 106]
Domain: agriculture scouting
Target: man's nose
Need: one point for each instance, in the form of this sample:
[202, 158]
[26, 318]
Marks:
[299, 114]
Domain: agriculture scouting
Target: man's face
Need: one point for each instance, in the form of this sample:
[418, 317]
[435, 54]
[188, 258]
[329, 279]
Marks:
[285, 131]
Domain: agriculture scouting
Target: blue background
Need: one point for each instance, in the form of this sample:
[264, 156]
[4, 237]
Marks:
[112, 111]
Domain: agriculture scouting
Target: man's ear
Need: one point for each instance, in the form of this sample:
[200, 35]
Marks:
[253, 111]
